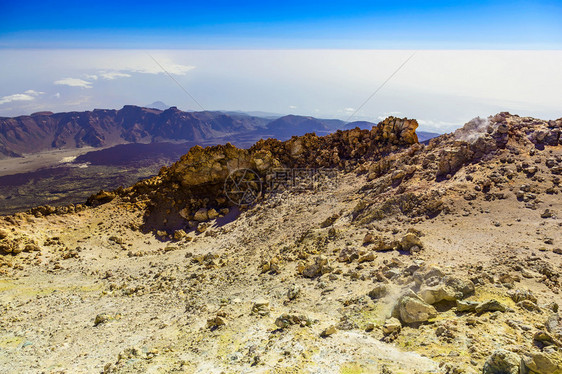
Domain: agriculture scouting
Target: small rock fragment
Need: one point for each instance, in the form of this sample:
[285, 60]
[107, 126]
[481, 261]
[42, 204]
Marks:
[328, 331]
[391, 326]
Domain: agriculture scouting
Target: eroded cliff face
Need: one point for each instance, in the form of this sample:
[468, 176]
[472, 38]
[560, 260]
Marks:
[196, 182]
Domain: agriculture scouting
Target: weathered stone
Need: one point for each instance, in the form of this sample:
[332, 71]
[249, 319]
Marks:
[159, 233]
[466, 306]
[102, 318]
[490, 306]
[286, 320]
[520, 295]
[201, 215]
[409, 241]
[369, 238]
[319, 267]
[547, 214]
[432, 295]
[502, 362]
[216, 321]
[384, 244]
[179, 234]
[529, 305]
[464, 286]
[212, 214]
[330, 220]
[412, 309]
[452, 159]
[380, 290]
[348, 254]
[391, 325]
[261, 307]
[367, 258]
[553, 325]
[293, 292]
[17, 248]
[101, 197]
[31, 247]
[331, 330]
[546, 338]
[433, 275]
[544, 363]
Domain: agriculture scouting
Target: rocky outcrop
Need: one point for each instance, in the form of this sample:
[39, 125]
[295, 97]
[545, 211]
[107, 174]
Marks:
[197, 180]
[388, 153]
[481, 138]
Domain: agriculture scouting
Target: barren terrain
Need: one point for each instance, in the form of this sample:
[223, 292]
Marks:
[438, 258]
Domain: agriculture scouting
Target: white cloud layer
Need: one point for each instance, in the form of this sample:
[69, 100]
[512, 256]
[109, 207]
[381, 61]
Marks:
[114, 75]
[443, 89]
[74, 82]
[28, 95]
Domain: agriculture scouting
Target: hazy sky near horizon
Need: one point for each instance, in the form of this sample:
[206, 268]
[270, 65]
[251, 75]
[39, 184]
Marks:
[309, 58]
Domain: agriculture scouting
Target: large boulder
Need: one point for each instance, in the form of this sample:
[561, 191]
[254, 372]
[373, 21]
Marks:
[502, 362]
[461, 285]
[320, 266]
[286, 320]
[100, 198]
[201, 215]
[432, 295]
[411, 309]
[411, 243]
[490, 306]
[544, 363]
[553, 325]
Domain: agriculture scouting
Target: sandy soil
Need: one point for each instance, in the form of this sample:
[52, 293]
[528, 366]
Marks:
[36, 161]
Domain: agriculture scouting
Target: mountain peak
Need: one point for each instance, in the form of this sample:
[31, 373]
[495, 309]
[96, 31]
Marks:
[158, 105]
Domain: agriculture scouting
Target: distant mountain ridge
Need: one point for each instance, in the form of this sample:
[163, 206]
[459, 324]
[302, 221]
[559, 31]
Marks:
[133, 124]
[108, 127]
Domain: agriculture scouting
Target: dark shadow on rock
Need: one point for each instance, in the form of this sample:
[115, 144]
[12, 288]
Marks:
[230, 217]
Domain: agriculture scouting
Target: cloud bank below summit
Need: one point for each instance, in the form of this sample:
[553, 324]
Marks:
[442, 89]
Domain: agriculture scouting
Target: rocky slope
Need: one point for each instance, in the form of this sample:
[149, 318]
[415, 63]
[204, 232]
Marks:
[412, 258]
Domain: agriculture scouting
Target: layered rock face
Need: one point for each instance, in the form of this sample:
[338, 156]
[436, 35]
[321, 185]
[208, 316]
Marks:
[480, 138]
[197, 180]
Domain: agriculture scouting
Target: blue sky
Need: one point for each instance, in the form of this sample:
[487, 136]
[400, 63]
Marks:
[322, 59]
[282, 24]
